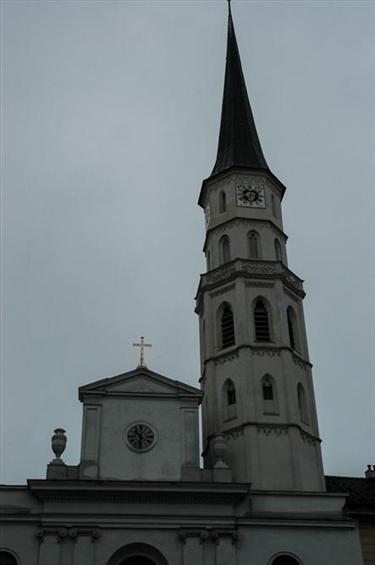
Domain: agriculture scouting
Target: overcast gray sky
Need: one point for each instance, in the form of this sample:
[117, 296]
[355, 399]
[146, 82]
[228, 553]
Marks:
[110, 122]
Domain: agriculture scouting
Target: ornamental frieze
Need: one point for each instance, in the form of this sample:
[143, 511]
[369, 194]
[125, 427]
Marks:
[259, 284]
[307, 438]
[225, 357]
[222, 290]
[269, 429]
[256, 268]
[300, 362]
[265, 351]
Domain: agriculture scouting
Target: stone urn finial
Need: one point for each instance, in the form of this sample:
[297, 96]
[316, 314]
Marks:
[58, 441]
[220, 451]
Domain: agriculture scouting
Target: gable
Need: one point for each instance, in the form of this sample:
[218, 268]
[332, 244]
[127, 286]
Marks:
[142, 382]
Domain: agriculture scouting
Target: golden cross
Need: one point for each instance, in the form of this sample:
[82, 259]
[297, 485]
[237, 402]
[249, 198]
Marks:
[142, 345]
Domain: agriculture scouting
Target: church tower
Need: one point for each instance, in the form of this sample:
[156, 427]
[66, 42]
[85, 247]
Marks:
[256, 373]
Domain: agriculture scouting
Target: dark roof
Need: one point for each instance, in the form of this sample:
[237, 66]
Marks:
[361, 491]
[239, 145]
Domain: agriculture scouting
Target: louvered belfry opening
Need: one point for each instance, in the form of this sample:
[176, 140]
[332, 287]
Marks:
[227, 327]
[262, 328]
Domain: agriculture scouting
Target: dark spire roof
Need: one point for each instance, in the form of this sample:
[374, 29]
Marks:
[238, 140]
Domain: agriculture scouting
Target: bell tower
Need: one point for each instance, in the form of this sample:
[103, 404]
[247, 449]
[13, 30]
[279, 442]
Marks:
[256, 373]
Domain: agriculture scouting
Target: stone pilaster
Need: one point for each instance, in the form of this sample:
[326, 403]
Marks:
[49, 549]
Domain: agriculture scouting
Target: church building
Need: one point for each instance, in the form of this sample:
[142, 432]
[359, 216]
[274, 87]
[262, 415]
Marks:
[139, 494]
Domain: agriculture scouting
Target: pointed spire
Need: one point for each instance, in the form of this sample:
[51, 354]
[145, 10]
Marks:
[238, 140]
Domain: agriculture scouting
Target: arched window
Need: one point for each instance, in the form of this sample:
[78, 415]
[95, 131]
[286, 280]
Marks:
[254, 245]
[302, 404]
[138, 560]
[229, 400]
[292, 328]
[208, 258]
[137, 554]
[273, 205]
[285, 560]
[261, 322]
[269, 395]
[7, 558]
[222, 202]
[227, 327]
[278, 252]
[224, 249]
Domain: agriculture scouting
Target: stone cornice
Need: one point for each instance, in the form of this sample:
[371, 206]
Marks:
[253, 222]
[264, 349]
[252, 269]
[267, 428]
[136, 492]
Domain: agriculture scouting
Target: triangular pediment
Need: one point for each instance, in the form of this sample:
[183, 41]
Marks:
[140, 382]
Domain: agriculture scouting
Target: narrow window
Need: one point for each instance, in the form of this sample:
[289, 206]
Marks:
[269, 395]
[262, 329]
[229, 400]
[292, 328]
[267, 390]
[227, 327]
[278, 253]
[222, 202]
[224, 249]
[208, 256]
[231, 394]
[254, 245]
[273, 205]
[302, 404]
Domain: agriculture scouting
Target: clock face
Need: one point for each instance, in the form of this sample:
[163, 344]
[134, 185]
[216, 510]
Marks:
[250, 196]
[140, 437]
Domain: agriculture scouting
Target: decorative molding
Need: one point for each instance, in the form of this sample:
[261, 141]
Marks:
[132, 492]
[265, 351]
[66, 533]
[225, 357]
[267, 428]
[262, 350]
[220, 185]
[251, 268]
[234, 433]
[308, 438]
[293, 295]
[214, 535]
[299, 361]
[260, 284]
[222, 290]
[273, 428]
